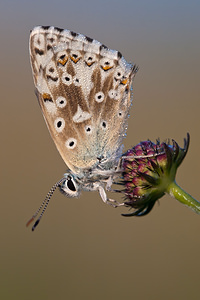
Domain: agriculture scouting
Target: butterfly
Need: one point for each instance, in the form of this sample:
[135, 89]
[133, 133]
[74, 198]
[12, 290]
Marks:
[84, 91]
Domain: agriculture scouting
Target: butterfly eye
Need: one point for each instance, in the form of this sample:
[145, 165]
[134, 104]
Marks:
[70, 184]
[70, 187]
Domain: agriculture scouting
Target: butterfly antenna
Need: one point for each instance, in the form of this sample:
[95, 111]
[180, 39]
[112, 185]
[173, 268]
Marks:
[44, 205]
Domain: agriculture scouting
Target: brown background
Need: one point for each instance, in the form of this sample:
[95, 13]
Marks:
[84, 249]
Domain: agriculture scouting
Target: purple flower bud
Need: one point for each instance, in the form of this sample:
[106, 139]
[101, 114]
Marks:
[148, 170]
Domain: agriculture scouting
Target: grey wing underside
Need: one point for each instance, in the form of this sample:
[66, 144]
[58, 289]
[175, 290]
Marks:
[84, 90]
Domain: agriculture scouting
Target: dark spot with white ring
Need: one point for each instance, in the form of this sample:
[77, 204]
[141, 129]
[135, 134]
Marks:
[61, 102]
[88, 129]
[104, 124]
[71, 143]
[59, 124]
[99, 97]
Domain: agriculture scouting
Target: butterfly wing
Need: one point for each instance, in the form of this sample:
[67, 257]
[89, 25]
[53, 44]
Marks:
[84, 92]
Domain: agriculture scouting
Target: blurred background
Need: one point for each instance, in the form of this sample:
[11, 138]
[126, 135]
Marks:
[84, 249]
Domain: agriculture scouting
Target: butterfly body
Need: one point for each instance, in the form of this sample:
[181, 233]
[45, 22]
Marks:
[101, 174]
[84, 91]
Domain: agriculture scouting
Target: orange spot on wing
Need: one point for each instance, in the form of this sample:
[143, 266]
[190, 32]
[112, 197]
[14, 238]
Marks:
[89, 64]
[46, 97]
[124, 81]
[107, 68]
[63, 61]
[75, 60]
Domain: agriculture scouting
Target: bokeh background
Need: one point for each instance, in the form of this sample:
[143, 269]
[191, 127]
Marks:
[84, 249]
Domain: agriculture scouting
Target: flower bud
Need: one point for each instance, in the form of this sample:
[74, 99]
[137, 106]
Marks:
[148, 170]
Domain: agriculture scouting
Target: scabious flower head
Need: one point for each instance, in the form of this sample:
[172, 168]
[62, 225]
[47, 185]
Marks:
[148, 170]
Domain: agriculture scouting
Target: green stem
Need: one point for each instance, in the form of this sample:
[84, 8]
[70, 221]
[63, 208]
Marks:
[178, 193]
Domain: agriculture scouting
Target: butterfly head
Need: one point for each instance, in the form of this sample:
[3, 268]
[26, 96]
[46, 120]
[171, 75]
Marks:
[70, 186]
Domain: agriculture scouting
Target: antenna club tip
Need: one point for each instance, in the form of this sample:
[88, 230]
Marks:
[44, 205]
[35, 225]
[29, 222]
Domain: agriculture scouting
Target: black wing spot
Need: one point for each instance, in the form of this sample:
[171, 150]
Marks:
[104, 124]
[59, 124]
[45, 27]
[38, 51]
[59, 29]
[88, 39]
[119, 54]
[52, 78]
[74, 34]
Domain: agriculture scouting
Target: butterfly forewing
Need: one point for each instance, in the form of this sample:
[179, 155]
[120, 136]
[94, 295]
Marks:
[84, 92]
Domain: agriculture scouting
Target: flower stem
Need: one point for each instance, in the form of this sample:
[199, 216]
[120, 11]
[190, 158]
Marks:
[179, 194]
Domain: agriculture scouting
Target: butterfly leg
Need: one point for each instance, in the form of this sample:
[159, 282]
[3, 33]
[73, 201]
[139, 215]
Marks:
[109, 183]
[107, 200]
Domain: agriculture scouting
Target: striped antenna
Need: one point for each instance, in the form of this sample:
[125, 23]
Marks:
[44, 205]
